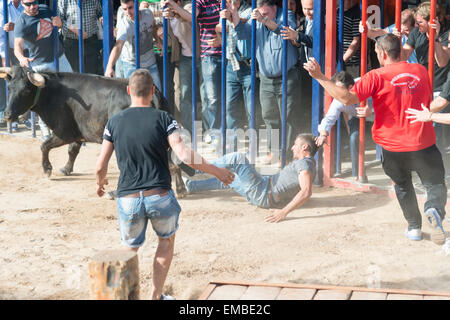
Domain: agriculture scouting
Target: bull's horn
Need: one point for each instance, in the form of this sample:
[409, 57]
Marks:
[35, 78]
[4, 71]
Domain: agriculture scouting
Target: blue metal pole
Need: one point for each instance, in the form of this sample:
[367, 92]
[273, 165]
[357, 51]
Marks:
[382, 14]
[224, 79]
[136, 34]
[108, 23]
[80, 37]
[340, 67]
[165, 32]
[252, 144]
[284, 86]
[194, 73]
[6, 35]
[55, 38]
[317, 90]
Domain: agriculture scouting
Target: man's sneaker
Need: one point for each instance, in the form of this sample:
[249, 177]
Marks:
[14, 127]
[166, 297]
[413, 234]
[185, 181]
[437, 234]
[28, 124]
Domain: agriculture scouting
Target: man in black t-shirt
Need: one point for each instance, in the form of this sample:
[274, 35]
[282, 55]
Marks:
[141, 135]
[419, 41]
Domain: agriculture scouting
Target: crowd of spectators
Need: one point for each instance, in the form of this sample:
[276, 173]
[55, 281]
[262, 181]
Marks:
[270, 33]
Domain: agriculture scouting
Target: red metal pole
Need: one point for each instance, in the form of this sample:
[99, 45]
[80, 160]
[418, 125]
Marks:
[362, 121]
[398, 15]
[432, 36]
[330, 69]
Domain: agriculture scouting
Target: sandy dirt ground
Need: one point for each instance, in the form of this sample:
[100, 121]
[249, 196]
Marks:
[50, 229]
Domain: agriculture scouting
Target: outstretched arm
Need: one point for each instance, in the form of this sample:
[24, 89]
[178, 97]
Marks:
[196, 161]
[344, 95]
[426, 115]
[305, 182]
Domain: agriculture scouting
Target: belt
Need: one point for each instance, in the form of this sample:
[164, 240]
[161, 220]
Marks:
[147, 193]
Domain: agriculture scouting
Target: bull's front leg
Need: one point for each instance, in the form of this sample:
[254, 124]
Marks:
[74, 149]
[50, 143]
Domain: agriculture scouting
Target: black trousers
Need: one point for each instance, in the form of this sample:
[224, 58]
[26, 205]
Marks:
[91, 54]
[430, 168]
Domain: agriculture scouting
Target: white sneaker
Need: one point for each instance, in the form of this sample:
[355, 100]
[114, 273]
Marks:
[166, 297]
[413, 234]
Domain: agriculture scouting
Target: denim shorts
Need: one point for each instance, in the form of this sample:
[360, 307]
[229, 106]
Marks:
[134, 213]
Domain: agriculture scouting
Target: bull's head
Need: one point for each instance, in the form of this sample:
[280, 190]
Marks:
[23, 86]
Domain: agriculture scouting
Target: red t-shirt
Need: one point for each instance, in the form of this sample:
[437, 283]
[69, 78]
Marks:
[394, 89]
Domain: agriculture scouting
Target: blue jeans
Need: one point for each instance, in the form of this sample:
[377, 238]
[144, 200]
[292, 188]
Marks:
[185, 76]
[238, 89]
[353, 123]
[247, 181]
[134, 213]
[119, 68]
[211, 73]
[129, 68]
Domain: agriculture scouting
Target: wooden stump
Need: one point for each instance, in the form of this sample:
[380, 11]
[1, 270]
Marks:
[114, 275]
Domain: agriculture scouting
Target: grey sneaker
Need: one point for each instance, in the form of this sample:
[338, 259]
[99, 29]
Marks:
[413, 234]
[437, 234]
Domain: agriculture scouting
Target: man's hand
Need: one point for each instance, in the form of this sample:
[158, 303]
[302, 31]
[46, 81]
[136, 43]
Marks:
[57, 22]
[423, 115]
[168, 13]
[25, 62]
[397, 33]
[214, 42]
[8, 26]
[289, 34]
[313, 67]
[101, 188]
[276, 216]
[109, 72]
[435, 25]
[363, 112]
[256, 15]
[225, 14]
[224, 175]
[321, 140]
[362, 28]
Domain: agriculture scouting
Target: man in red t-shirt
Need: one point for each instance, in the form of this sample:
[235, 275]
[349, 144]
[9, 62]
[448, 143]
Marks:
[394, 88]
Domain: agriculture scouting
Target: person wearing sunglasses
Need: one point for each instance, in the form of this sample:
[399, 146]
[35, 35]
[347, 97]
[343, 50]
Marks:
[34, 30]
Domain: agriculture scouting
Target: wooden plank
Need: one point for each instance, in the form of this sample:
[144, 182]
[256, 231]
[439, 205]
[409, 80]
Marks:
[362, 295]
[395, 296]
[435, 298]
[261, 293]
[324, 287]
[296, 294]
[332, 295]
[227, 292]
[207, 292]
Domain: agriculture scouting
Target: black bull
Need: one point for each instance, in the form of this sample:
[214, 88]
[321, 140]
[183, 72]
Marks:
[75, 107]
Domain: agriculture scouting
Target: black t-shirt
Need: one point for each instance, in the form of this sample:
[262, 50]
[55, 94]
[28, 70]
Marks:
[139, 135]
[420, 43]
[351, 30]
[38, 35]
[445, 93]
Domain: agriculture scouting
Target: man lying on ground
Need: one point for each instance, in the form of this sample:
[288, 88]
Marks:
[283, 192]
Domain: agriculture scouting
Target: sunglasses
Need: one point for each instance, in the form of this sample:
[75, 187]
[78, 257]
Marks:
[29, 4]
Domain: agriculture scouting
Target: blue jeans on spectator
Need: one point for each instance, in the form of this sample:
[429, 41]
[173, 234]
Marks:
[129, 68]
[247, 181]
[64, 66]
[238, 90]
[353, 123]
[118, 69]
[185, 79]
[211, 73]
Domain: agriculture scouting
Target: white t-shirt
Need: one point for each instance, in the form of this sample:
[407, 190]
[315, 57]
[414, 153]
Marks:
[125, 32]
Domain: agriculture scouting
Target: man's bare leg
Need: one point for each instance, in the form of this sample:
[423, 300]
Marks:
[161, 264]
